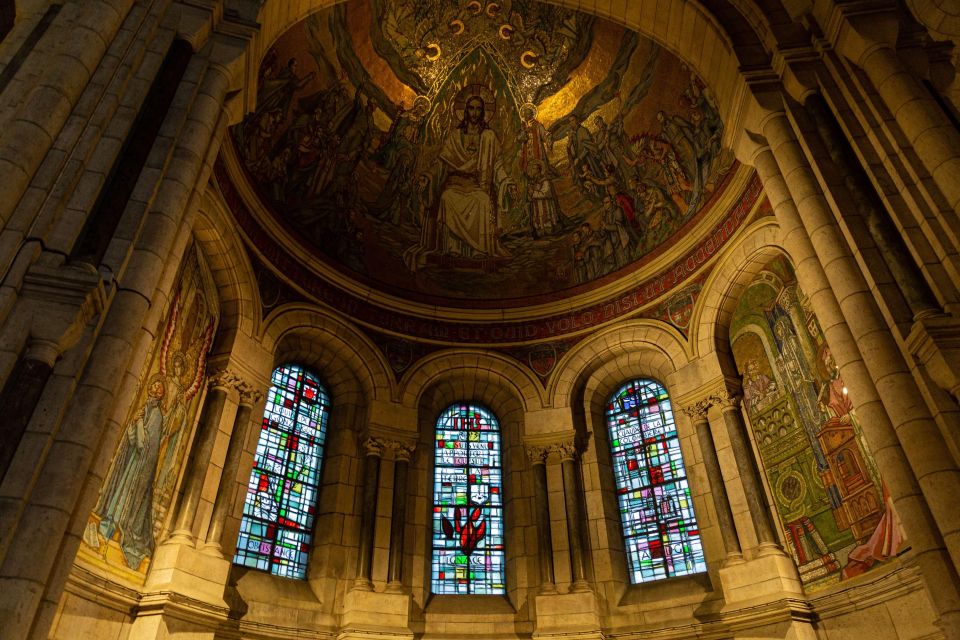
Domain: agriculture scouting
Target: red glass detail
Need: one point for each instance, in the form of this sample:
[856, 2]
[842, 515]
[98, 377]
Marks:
[656, 475]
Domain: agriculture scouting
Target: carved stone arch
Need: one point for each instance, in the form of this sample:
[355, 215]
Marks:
[634, 340]
[218, 241]
[725, 286]
[345, 359]
[479, 375]
[684, 27]
[503, 387]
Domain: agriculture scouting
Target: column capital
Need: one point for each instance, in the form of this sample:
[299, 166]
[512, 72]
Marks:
[537, 454]
[374, 446]
[223, 379]
[249, 395]
[567, 450]
[727, 401]
[697, 411]
[402, 451]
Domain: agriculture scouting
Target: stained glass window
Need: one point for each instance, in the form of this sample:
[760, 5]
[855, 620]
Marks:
[467, 503]
[659, 527]
[280, 507]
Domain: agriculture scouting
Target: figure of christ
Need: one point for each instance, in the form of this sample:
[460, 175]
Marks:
[467, 218]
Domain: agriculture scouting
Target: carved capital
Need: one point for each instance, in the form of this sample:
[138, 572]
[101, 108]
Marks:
[537, 454]
[698, 410]
[567, 450]
[223, 379]
[249, 396]
[373, 447]
[727, 401]
[402, 451]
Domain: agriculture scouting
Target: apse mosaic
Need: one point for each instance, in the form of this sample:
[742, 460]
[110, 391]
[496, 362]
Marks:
[134, 501]
[278, 513]
[478, 150]
[468, 555]
[837, 518]
[660, 530]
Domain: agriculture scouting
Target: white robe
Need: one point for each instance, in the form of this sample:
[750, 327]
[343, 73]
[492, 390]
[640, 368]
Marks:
[468, 216]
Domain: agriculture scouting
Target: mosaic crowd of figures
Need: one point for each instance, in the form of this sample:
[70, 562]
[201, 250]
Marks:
[132, 508]
[836, 515]
[468, 551]
[276, 530]
[463, 135]
[660, 529]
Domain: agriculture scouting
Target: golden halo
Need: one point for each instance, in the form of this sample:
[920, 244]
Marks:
[475, 7]
[506, 31]
[456, 26]
[433, 46]
[528, 59]
[493, 9]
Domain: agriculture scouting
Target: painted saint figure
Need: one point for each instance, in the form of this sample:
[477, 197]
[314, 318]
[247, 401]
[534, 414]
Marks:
[471, 157]
[126, 502]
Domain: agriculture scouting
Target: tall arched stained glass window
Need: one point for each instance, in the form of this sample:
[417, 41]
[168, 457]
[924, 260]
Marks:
[277, 525]
[659, 527]
[467, 503]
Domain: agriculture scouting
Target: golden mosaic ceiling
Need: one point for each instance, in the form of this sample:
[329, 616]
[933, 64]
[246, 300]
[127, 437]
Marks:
[456, 153]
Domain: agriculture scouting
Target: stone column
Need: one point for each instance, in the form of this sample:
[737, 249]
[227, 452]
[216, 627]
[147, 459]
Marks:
[749, 472]
[906, 275]
[231, 464]
[398, 520]
[541, 503]
[199, 459]
[571, 500]
[697, 413]
[368, 514]
[20, 396]
[932, 136]
[873, 343]
[932, 558]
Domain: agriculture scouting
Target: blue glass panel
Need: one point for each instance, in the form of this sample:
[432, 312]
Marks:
[280, 507]
[467, 503]
[659, 527]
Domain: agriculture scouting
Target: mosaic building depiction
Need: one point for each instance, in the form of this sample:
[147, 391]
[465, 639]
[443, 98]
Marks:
[479, 320]
[835, 513]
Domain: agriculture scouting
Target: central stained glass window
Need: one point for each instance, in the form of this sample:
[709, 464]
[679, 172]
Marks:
[660, 530]
[467, 503]
[280, 507]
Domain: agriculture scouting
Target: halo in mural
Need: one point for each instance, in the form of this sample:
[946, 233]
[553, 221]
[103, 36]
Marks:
[478, 151]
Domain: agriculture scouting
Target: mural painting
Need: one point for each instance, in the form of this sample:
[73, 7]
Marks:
[137, 493]
[478, 150]
[837, 518]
